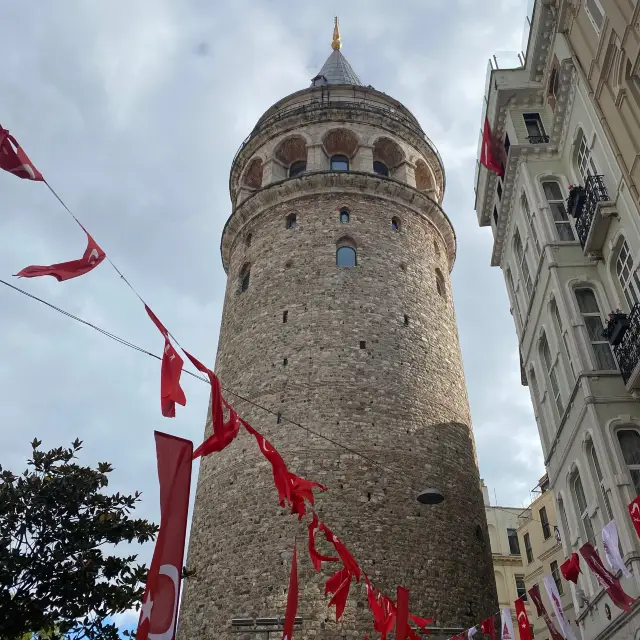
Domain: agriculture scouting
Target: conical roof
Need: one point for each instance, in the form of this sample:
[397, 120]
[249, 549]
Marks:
[337, 70]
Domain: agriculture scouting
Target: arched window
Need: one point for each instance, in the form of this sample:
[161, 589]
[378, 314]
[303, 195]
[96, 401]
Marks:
[380, 168]
[522, 262]
[526, 213]
[298, 167]
[247, 240]
[395, 224]
[580, 501]
[534, 389]
[346, 256]
[436, 248]
[629, 440]
[566, 534]
[344, 216]
[514, 297]
[553, 194]
[339, 163]
[440, 285]
[597, 473]
[291, 221]
[584, 164]
[245, 274]
[627, 274]
[563, 335]
[594, 324]
[552, 373]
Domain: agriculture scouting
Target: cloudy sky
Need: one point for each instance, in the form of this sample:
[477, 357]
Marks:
[133, 112]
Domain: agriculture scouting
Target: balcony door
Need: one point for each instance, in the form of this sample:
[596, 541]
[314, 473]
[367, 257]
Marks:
[584, 162]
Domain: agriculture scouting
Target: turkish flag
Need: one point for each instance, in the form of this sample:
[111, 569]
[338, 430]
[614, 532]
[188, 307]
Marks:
[423, 623]
[292, 598]
[301, 490]
[348, 560]
[162, 593]
[14, 160]
[612, 585]
[92, 257]
[634, 512]
[316, 557]
[571, 568]
[170, 390]
[523, 620]
[339, 584]
[488, 155]
[534, 592]
[402, 613]
[488, 628]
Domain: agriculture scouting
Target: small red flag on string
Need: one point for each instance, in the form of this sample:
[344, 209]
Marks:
[541, 610]
[14, 160]
[92, 257]
[610, 582]
[316, 557]
[571, 568]
[523, 620]
[488, 628]
[162, 593]
[402, 613]
[339, 584]
[292, 598]
[488, 155]
[170, 390]
[348, 560]
[634, 512]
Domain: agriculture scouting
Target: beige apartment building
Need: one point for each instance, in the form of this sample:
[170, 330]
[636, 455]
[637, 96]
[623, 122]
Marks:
[542, 554]
[604, 38]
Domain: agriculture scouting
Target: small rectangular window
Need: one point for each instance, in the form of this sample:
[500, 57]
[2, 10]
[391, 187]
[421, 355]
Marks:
[285, 362]
[285, 316]
[291, 221]
[534, 126]
[527, 548]
[514, 545]
[595, 13]
[406, 320]
[556, 576]
[278, 418]
[363, 344]
[544, 521]
[499, 190]
[520, 587]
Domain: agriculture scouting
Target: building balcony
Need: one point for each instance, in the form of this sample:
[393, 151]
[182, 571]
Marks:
[542, 139]
[627, 351]
[593, 211]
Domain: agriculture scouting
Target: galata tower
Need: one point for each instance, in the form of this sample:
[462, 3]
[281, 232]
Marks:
[339, 316]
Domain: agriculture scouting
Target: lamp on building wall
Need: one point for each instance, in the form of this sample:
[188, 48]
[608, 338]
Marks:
[430, 496]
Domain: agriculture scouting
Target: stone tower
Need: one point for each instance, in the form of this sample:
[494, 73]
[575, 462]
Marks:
[339, 316]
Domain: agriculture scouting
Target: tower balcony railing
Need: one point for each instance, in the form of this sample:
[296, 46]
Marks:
[627, 351]
[315, 106]
[540, 139]
[593, 210]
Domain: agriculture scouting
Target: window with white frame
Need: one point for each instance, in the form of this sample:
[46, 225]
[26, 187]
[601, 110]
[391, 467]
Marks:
[563, 519]
[594, 325]
[584, 162]
[628, 276]
[581, 509]
[629, 440]
[563, 335]
[521, 257]
[526, 213]
[597, 472]
[555, 199]
[552, 373]
[595, 12]
[512, 294]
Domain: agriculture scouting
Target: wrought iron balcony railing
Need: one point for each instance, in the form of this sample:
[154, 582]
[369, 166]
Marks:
[627, 353]
[596, 192]
[542, 139]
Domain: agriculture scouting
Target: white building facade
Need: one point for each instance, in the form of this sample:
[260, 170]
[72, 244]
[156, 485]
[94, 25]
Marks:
[564, 275]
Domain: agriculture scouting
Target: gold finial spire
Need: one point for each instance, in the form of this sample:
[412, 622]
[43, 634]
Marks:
[336, 44]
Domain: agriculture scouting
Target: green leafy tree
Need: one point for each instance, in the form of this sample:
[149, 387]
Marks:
[56, 579]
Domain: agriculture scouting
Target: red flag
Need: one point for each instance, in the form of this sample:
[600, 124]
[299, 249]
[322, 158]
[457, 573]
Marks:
[571, 568]
[402, 614]
[162, 593]
[375, 605]
[316, 557]
[340, 591]
[488, 628]
[14, 160]
[634, 512]
[422, 623]
[534, 592]
[606, 578]
[170, 389]
[92, 257]
[292, 598]
[523, 620]
[301, 490]
[348, 560]
[488, 155]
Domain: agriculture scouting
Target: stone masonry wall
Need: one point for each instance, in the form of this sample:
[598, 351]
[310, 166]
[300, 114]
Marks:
[358, 372]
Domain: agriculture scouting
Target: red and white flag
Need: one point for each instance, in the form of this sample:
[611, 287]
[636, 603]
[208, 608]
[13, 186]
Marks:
[14, 160]
[317, 558]
[524, 626]
[612, 550]
[634, 512]
[488, 155]
[162, 594]
[170, 390]
[506, 624]
[92, 257]
[611, 584]
[570, 568]
[554, 599]
[292, 598]
[541, 610]
[488, 628]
